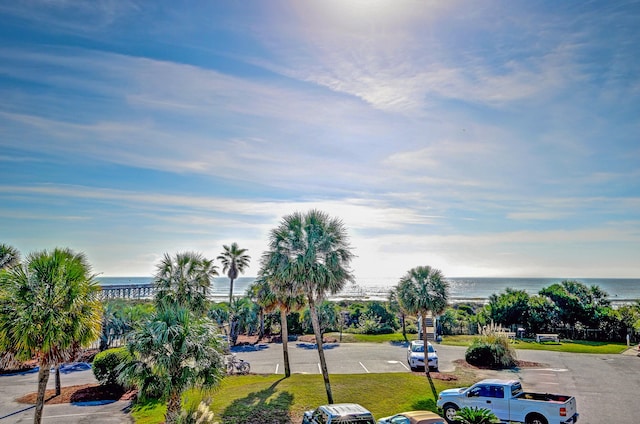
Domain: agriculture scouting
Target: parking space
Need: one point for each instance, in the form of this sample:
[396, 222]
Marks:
[341, 359]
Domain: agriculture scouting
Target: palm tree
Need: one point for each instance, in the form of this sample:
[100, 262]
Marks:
[9, 256]
[184, 280]
[174, 351]
[422, 290]
[242, 317]
[234, 262]
[260, 292]
[475, 415]
[49, 309]
[276, 295]
[311, 253]
[394, 306]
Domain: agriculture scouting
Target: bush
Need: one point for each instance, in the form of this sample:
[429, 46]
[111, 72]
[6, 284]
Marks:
[105, 364]
[491, 351]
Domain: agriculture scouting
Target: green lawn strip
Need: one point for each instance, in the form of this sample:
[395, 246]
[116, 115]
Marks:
[573, 346]
[271, 398]
[370, 338]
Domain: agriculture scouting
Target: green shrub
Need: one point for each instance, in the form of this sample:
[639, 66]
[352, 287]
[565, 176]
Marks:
[106, 362]
[475, 415]
[491, 351]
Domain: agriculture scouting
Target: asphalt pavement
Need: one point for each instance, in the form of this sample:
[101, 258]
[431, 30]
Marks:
[15, 386]
[605, 386]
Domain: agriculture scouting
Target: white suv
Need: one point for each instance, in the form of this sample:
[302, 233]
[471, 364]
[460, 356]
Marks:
[415, 355]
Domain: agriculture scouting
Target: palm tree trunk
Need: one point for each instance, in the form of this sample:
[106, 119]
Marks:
[261, 331]
[58, 385]
[173, 408]
[426, 355]
[404, 326]
[284, 334]
[423, 318]
[231, 291]
[43, 379]
[323, 363]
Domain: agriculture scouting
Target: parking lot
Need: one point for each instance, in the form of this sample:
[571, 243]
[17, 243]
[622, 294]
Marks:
[605, 386]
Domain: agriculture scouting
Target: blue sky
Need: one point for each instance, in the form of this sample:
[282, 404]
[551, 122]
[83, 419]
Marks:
[481, 138]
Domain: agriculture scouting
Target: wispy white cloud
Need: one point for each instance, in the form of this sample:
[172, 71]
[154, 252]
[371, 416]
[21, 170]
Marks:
[483, 139]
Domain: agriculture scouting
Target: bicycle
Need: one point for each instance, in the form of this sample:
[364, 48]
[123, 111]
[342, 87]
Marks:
[237, 366]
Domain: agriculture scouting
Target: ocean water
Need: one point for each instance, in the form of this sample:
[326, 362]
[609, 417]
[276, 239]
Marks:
[620, 290]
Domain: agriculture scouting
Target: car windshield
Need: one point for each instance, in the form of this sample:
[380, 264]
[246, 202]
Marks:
[420, 348]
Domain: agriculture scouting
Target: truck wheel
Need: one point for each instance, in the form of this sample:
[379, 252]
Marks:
[450, 410]
[536, 419]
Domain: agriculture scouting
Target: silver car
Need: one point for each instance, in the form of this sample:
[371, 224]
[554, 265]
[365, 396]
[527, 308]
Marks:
[415, 355]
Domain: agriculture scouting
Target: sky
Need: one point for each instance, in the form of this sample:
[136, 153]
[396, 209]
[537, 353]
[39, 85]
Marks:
[485, 139]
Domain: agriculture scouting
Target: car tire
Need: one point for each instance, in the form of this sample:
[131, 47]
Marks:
[449, 410]
[536, 419]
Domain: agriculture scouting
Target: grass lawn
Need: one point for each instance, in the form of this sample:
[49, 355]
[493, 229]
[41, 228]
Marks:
[371, 338]
[572, 346]
[272, 398]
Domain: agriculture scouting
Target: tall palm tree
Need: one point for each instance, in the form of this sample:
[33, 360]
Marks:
[174, 351]
[311, 253]
[422, 290]
[49, 309]
[9, 256]
[184, 280]
[234, 262]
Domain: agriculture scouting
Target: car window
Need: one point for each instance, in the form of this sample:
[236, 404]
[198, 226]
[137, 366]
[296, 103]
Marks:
[399, 419]
[417, 348]
[475, 392]
[497, 392]
[431, 349]
[516, 389]
[320, 417]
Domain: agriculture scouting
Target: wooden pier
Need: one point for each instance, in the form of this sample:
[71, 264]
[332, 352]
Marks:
[127, 291]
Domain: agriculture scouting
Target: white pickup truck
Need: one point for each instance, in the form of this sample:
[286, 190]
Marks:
[507, 400]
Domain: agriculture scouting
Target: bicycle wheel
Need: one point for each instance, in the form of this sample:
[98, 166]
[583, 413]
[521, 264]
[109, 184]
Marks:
[244, 367]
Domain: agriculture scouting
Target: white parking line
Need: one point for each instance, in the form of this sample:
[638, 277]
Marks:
[398, 362]
[365, 368]
[277, 365]
[549, 369]
[76, 415]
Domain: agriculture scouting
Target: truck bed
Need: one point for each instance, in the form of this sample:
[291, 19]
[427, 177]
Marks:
[543, 397]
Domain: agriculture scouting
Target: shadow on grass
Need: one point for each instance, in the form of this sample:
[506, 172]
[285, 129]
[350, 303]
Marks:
[260, 407]
[425, 404]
